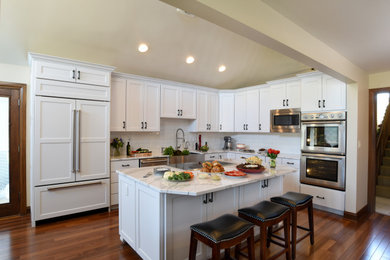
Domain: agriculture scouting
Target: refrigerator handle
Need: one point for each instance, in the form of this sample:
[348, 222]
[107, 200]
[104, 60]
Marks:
[74, 142]
[77, 140]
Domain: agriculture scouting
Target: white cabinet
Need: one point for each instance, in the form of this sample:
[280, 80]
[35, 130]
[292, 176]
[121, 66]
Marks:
[127, 218]
[207, 112]
[286, 95]
[71, 72]
[272, 187]
[322, 93]
[177, 102]
[246, 111]
[328, 199]
[291, 181]
[226, 112]
[119, 165]
[264, 113]
[135, 105]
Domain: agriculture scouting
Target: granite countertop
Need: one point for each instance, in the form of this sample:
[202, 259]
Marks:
[125, 157]
[198, 186]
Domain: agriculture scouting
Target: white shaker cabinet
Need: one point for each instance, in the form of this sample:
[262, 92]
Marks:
[264, 114]
[226, 112]
[323, 93]
[177, 102]
[286, 95]
[246, 109]
[118, 104]
[291, 181]
[207, 112]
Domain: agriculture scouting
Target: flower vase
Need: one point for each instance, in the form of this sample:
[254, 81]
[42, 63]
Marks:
[272, 163]
[117, 151]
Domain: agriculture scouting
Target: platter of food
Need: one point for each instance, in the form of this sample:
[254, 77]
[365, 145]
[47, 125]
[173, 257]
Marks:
[212, 167]
[235, 174]
[252, 165]
[178, 176]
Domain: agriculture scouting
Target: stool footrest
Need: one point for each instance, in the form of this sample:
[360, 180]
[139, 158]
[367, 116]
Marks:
[303, 237]
[303, 228]
[278, 237]
[277, 243]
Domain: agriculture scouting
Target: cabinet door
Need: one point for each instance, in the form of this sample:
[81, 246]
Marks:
[311, 94]
[127, 226]
[250, 194]
[53, 141]
[55, 71]
[252, 110]
[118, 105]
[94, 151]
[134, 106]
[92, 76]
[188, 103]
[170, 101]
[226, 112]
[293, 94]
[202, 114]
[152, 107]
[291, 180]
[333, 94]
[222, 202]
[278, 96]
[274, 188]
[264, 113]
[212, 108]
[239, 111]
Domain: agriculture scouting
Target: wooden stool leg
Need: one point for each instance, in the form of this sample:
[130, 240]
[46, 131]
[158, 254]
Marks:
[263, 242]
[237, 250]
[227, 253]
[193, 245]
[311, 224]
[287, 245]
[216, 252]
[269, 233]
[251, 246]
[294, 231]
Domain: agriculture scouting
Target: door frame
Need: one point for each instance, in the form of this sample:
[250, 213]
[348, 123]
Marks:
[22, 141]
[371, 194]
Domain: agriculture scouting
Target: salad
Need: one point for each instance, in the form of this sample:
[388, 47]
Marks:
[178, 176]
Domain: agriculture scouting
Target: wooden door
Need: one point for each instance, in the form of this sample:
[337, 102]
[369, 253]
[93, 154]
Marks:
[118, 105]
[9, 152]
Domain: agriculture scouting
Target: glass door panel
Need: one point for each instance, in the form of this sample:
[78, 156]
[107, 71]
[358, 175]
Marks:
[4, 151]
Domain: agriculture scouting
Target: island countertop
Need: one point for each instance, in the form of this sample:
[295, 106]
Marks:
[197, 186]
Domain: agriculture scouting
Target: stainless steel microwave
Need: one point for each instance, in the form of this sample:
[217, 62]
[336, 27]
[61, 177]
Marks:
[285, 120]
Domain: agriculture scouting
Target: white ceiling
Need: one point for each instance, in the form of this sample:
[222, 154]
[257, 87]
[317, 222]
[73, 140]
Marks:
[108, 32]
[357, 29]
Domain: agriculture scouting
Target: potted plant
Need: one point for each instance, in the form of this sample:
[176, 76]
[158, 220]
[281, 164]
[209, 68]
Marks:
[117, 143]
[272, 154]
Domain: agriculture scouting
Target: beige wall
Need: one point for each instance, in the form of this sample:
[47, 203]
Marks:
[20, 74]
[379, 80]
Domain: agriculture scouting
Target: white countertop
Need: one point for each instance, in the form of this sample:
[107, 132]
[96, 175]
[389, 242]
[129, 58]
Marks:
[126, 158]
[197, 186]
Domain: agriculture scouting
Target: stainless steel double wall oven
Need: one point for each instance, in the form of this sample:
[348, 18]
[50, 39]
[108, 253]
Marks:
[323, 146]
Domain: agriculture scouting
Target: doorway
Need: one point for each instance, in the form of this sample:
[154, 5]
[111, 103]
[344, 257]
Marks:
[12, 150]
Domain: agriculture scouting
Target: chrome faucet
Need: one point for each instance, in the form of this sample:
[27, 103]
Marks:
[179, 138]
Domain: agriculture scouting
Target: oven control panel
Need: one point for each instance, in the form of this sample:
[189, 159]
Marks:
[338, 115]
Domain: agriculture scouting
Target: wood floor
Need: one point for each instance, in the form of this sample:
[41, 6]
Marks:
[96, 237]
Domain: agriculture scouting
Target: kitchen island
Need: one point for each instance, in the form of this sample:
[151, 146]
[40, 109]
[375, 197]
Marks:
[155, 215]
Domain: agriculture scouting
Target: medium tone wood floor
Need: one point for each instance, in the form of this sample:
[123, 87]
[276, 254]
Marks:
[96, 236]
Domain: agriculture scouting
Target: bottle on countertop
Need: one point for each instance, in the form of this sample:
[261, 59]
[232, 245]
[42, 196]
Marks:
[196, 147]
[128, 149]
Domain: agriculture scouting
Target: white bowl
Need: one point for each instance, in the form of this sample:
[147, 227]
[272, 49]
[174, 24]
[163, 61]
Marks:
[240, 146]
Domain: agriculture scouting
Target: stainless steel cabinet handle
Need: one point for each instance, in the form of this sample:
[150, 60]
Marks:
[73, 74]
[78, 74]
[74, 185]
[77, 140]
[319, 103]
[142, 125]
[211, 199]
[124, 125]
[146, 125]
[125, 165]
[74, 142]
[286, 102]
[323, 103]
[290, 163]
[319, 197]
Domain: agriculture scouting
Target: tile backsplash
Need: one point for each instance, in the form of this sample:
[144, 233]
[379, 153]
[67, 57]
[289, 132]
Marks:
[286, 143]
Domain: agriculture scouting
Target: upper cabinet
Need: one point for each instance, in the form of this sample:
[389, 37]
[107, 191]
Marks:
[264, 114]
[135, 105]
[322, 93]
[177, 102]
[226, 112]
[72, 72]
[207, 112]
[286, 95]
[246, 111]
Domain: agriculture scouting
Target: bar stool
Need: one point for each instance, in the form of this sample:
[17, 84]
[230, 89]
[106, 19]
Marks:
[265, 214]
[296, 202]
[223, 233]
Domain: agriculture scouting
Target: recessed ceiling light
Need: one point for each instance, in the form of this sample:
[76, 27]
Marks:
[190, 59]
[143, 47]
[222, 68]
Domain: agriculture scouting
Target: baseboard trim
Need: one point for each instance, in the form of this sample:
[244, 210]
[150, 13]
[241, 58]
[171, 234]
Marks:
[363, 212]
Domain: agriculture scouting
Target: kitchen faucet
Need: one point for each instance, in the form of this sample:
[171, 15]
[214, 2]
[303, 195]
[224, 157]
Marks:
[181, 138]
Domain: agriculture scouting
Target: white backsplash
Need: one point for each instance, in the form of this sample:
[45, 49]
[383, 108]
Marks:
[286, 143]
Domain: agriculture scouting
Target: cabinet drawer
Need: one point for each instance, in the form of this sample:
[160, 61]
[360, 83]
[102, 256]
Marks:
[333, 199]
[120, 165]
[114, 199]
[58, 200]
[55, 71]
[291, 162]
[71, 90]
[114, 187]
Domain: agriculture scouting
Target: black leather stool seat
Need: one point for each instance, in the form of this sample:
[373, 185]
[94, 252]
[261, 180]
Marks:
[292, 199]
[223, 228]
[264, 211]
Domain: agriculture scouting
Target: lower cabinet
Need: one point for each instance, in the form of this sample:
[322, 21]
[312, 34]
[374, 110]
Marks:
[291, 181]
[119, 165]
[328, 199]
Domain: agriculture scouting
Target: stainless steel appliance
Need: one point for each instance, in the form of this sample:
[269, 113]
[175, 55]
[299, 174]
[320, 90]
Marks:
[285, 120]
[323, 132]
[228, 143]
[153, 161]
[323, 170]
